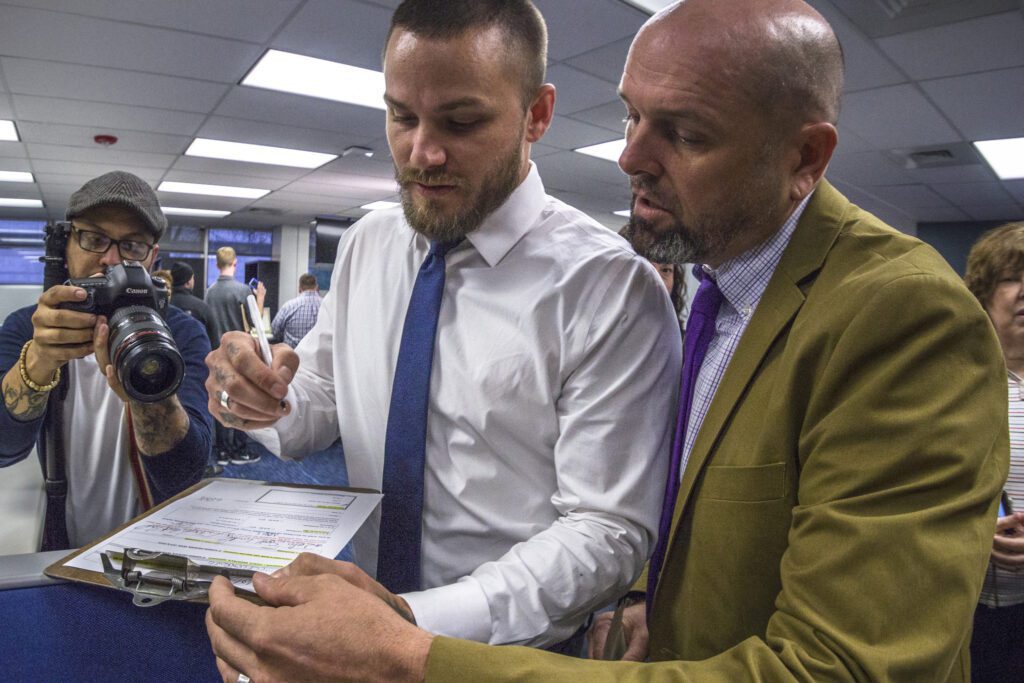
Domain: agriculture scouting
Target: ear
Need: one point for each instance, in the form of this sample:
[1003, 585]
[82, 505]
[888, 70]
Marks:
[816, 142]
[538, 115]
[153, 255]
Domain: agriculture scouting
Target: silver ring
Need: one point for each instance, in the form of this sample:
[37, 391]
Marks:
[242, 678]
[225, 403]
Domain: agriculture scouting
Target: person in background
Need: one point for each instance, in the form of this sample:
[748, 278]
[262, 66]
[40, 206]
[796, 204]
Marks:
[995, 275]
[183, 281]
[522, 474]
[165, 275]
[226, 299]
[297, 317]
[842, 439]
[113, 472]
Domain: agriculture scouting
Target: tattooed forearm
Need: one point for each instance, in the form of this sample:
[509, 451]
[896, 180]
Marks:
[23, 403]
[159, 426]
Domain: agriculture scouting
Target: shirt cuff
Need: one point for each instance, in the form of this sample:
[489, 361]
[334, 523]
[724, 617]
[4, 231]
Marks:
[458, 610]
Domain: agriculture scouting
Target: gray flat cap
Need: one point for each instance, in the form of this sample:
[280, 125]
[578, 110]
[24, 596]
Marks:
[120, 188]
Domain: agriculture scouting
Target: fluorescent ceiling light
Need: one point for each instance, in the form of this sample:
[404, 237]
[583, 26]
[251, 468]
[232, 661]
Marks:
[624, 213]
[16, 177]
[257, 154]
[651, 6]
[610, 150]
[374, 206]
[301, 75]
[209, 213]
[8, 132]
[212, 190]
[1006, 157]
[22, 203]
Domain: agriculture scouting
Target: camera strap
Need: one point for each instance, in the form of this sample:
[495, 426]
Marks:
[52, 457]
[135, 459]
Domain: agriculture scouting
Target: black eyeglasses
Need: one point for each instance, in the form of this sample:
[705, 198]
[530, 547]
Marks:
[98, 243]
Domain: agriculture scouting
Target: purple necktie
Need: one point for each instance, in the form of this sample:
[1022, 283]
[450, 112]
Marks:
[700, 328]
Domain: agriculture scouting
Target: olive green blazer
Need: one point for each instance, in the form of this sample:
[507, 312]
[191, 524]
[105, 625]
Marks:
[836, 514]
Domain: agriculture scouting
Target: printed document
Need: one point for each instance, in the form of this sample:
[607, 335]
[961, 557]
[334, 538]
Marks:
[244, 525]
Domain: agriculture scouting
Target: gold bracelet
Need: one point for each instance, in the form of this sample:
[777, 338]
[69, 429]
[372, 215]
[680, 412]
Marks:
[28, 380]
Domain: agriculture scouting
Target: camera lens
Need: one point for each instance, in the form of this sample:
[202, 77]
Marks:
[144, 354]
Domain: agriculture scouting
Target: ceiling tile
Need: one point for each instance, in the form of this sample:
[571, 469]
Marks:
[866, 66]
[983, 106]
[276, 176]
[1016, 188]
[867, 169]
[995, 212]
[339, 30]
[51, 79]
[252, 20]
[566, 133]
[304, 112]
[973, 194]
[577, 91]
[276, 135]
[992, 42]
[604, 62]
[13, 149]
[909, 197]
[895, 117]
[969, 173]
[112, 157]
[97, 42]
[573, 32]
[88, 170]
[610, 116]
[105, 116]
[82, 136]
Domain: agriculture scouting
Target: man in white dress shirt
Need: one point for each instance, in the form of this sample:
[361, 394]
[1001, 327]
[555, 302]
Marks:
[556, 363]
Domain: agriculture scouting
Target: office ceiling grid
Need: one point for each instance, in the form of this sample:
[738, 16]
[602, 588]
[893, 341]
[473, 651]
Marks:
[157, 74]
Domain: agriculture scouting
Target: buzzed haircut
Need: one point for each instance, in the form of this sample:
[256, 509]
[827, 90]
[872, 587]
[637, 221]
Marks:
[225, 257]
[307, 281]
[522, 23]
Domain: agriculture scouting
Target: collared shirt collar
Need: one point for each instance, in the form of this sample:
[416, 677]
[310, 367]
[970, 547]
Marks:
[507, 224]
[744, 278]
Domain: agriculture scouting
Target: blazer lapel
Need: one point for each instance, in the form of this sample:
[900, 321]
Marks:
[814, 235]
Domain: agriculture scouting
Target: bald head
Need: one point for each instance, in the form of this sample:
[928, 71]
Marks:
[782, 55]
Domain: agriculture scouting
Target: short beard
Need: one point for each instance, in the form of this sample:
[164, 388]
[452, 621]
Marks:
[693, 239]
[494, 190]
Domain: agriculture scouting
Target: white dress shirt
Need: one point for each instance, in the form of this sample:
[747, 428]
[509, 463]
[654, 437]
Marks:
[553, 391]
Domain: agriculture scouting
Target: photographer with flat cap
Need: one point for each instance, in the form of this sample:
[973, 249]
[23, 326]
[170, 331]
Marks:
[104, 376]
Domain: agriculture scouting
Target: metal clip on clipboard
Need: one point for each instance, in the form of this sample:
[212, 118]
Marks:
[153, 577]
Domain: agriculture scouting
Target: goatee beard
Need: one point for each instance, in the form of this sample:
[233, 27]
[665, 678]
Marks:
[434, 225]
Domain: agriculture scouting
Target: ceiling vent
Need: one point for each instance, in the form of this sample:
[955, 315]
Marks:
[258, 211]
[957, 154]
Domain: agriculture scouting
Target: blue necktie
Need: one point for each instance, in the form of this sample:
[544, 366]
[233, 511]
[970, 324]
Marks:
[398, 557]
[700, 328]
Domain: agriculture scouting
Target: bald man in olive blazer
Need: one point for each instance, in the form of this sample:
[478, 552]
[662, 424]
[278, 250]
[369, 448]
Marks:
[834, 517]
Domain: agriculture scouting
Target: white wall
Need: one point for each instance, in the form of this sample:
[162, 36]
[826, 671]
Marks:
[13, 297]
[293, 243]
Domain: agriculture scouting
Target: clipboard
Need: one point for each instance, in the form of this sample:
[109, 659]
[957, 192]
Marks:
[60, 570]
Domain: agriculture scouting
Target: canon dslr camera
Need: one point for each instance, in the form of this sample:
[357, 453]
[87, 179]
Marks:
[142, 350]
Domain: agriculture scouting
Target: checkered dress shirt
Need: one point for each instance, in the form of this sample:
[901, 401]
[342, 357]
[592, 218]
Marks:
[742, 281]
